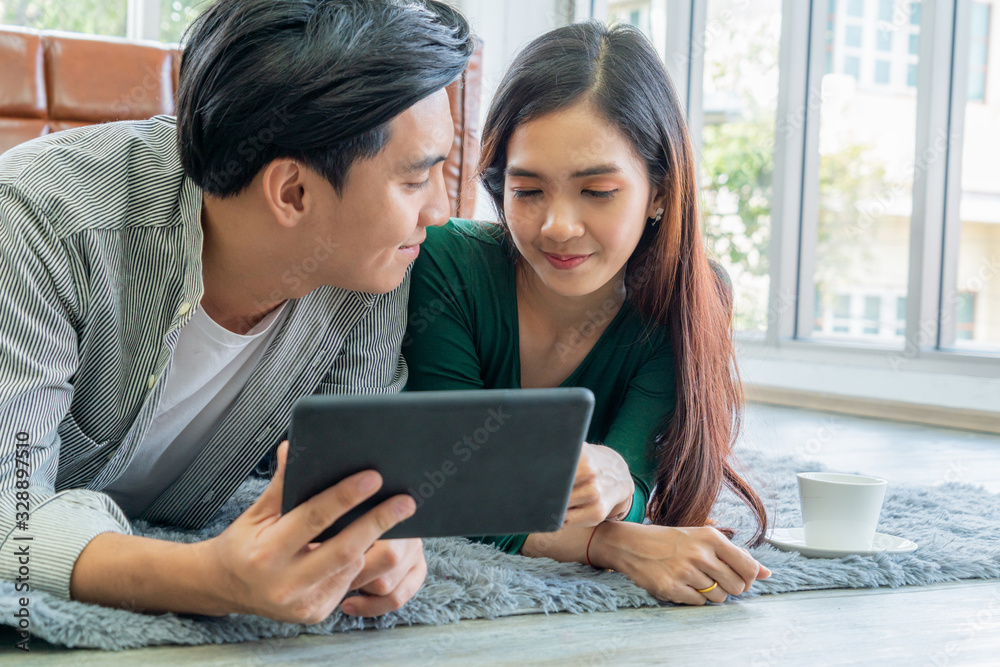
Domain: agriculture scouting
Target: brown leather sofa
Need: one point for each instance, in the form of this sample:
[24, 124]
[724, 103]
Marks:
[52, 81]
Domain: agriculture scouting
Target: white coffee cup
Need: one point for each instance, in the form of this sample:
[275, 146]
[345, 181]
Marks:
[840, 511]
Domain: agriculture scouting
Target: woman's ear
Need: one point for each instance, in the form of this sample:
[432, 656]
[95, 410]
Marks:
[657, 203]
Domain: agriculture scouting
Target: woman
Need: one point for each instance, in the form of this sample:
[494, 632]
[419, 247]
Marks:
[596, 277]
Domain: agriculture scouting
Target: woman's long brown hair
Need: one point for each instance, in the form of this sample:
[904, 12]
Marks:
[669, 278]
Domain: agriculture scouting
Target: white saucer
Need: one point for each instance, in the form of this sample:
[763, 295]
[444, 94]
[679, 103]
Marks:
[792, 539]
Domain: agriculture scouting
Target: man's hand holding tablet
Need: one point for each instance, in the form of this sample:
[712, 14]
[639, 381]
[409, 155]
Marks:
[272, 567]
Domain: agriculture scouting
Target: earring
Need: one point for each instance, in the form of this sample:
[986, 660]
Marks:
[659, 216]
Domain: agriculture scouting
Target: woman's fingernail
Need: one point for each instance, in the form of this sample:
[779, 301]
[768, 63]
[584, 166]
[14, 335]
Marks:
[349, 610]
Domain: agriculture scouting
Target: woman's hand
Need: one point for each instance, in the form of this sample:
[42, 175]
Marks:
[673, 563]
[602, 488]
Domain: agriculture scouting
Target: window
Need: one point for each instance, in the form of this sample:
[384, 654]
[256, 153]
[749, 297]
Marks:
[850, 315]
[176, 15]
[885, 10]
[966, 317]
[831, 31]
[973, 295]
[842, 313]
[650, 16]
[95, 17]
[866, 171]
[978, 51]
[110, 18]
[852, 66]
[852, 36]
[873, 314]
[839, 202]
[882, 72]
[884, 40]
[737, 156]
[912, 32]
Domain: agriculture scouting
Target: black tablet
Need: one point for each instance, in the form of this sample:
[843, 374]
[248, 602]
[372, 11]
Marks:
[484, 462]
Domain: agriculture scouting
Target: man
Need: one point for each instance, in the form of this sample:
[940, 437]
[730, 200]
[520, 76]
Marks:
[168, 289]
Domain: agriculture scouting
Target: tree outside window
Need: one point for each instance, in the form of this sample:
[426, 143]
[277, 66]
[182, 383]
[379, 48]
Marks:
[177, 15]
[94, 17]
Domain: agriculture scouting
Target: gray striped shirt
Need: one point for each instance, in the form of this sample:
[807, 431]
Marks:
[100, 267]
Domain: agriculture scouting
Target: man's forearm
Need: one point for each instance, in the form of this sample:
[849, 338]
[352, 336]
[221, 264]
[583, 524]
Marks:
[147, 575]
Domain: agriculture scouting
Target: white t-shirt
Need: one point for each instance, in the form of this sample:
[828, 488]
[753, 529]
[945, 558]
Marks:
[209, 367]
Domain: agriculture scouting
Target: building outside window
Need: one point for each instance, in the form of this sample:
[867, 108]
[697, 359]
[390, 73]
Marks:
[979, 47]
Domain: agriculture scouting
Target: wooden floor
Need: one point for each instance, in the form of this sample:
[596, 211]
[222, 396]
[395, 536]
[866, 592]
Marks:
[947, 624]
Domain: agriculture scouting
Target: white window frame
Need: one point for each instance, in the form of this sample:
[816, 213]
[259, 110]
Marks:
[935, 224]
[143, 20]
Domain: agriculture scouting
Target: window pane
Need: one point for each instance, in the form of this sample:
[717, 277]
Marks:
[852, 36]
[977, 86]
[737, 161]
[882, 72]
[95, 17]
[650, 16]
[852, 66]
[980, 20]
[885, 9]
[856, 8]
[976, 305]
[867, 148]
[176, 15]
[966, 319]
[841, 313]
[873, 314]
[914, 45]
[979, 51]
[626, 11]
[884, 42]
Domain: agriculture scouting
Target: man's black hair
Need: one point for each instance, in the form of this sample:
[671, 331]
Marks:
[313, 80]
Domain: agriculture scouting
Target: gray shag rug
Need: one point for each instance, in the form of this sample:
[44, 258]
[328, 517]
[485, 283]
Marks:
[955, 526]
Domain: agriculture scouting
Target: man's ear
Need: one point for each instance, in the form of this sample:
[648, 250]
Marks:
[283, 181]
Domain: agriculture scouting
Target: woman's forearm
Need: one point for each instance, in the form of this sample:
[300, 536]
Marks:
[570, 545]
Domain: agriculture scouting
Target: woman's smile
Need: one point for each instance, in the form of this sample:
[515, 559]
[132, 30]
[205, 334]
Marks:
[566, 262]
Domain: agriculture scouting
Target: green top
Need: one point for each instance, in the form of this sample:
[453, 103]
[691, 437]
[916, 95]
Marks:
[463, 334]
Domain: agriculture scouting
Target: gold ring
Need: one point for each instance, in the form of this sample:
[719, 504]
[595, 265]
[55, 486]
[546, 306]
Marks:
[709, 589]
